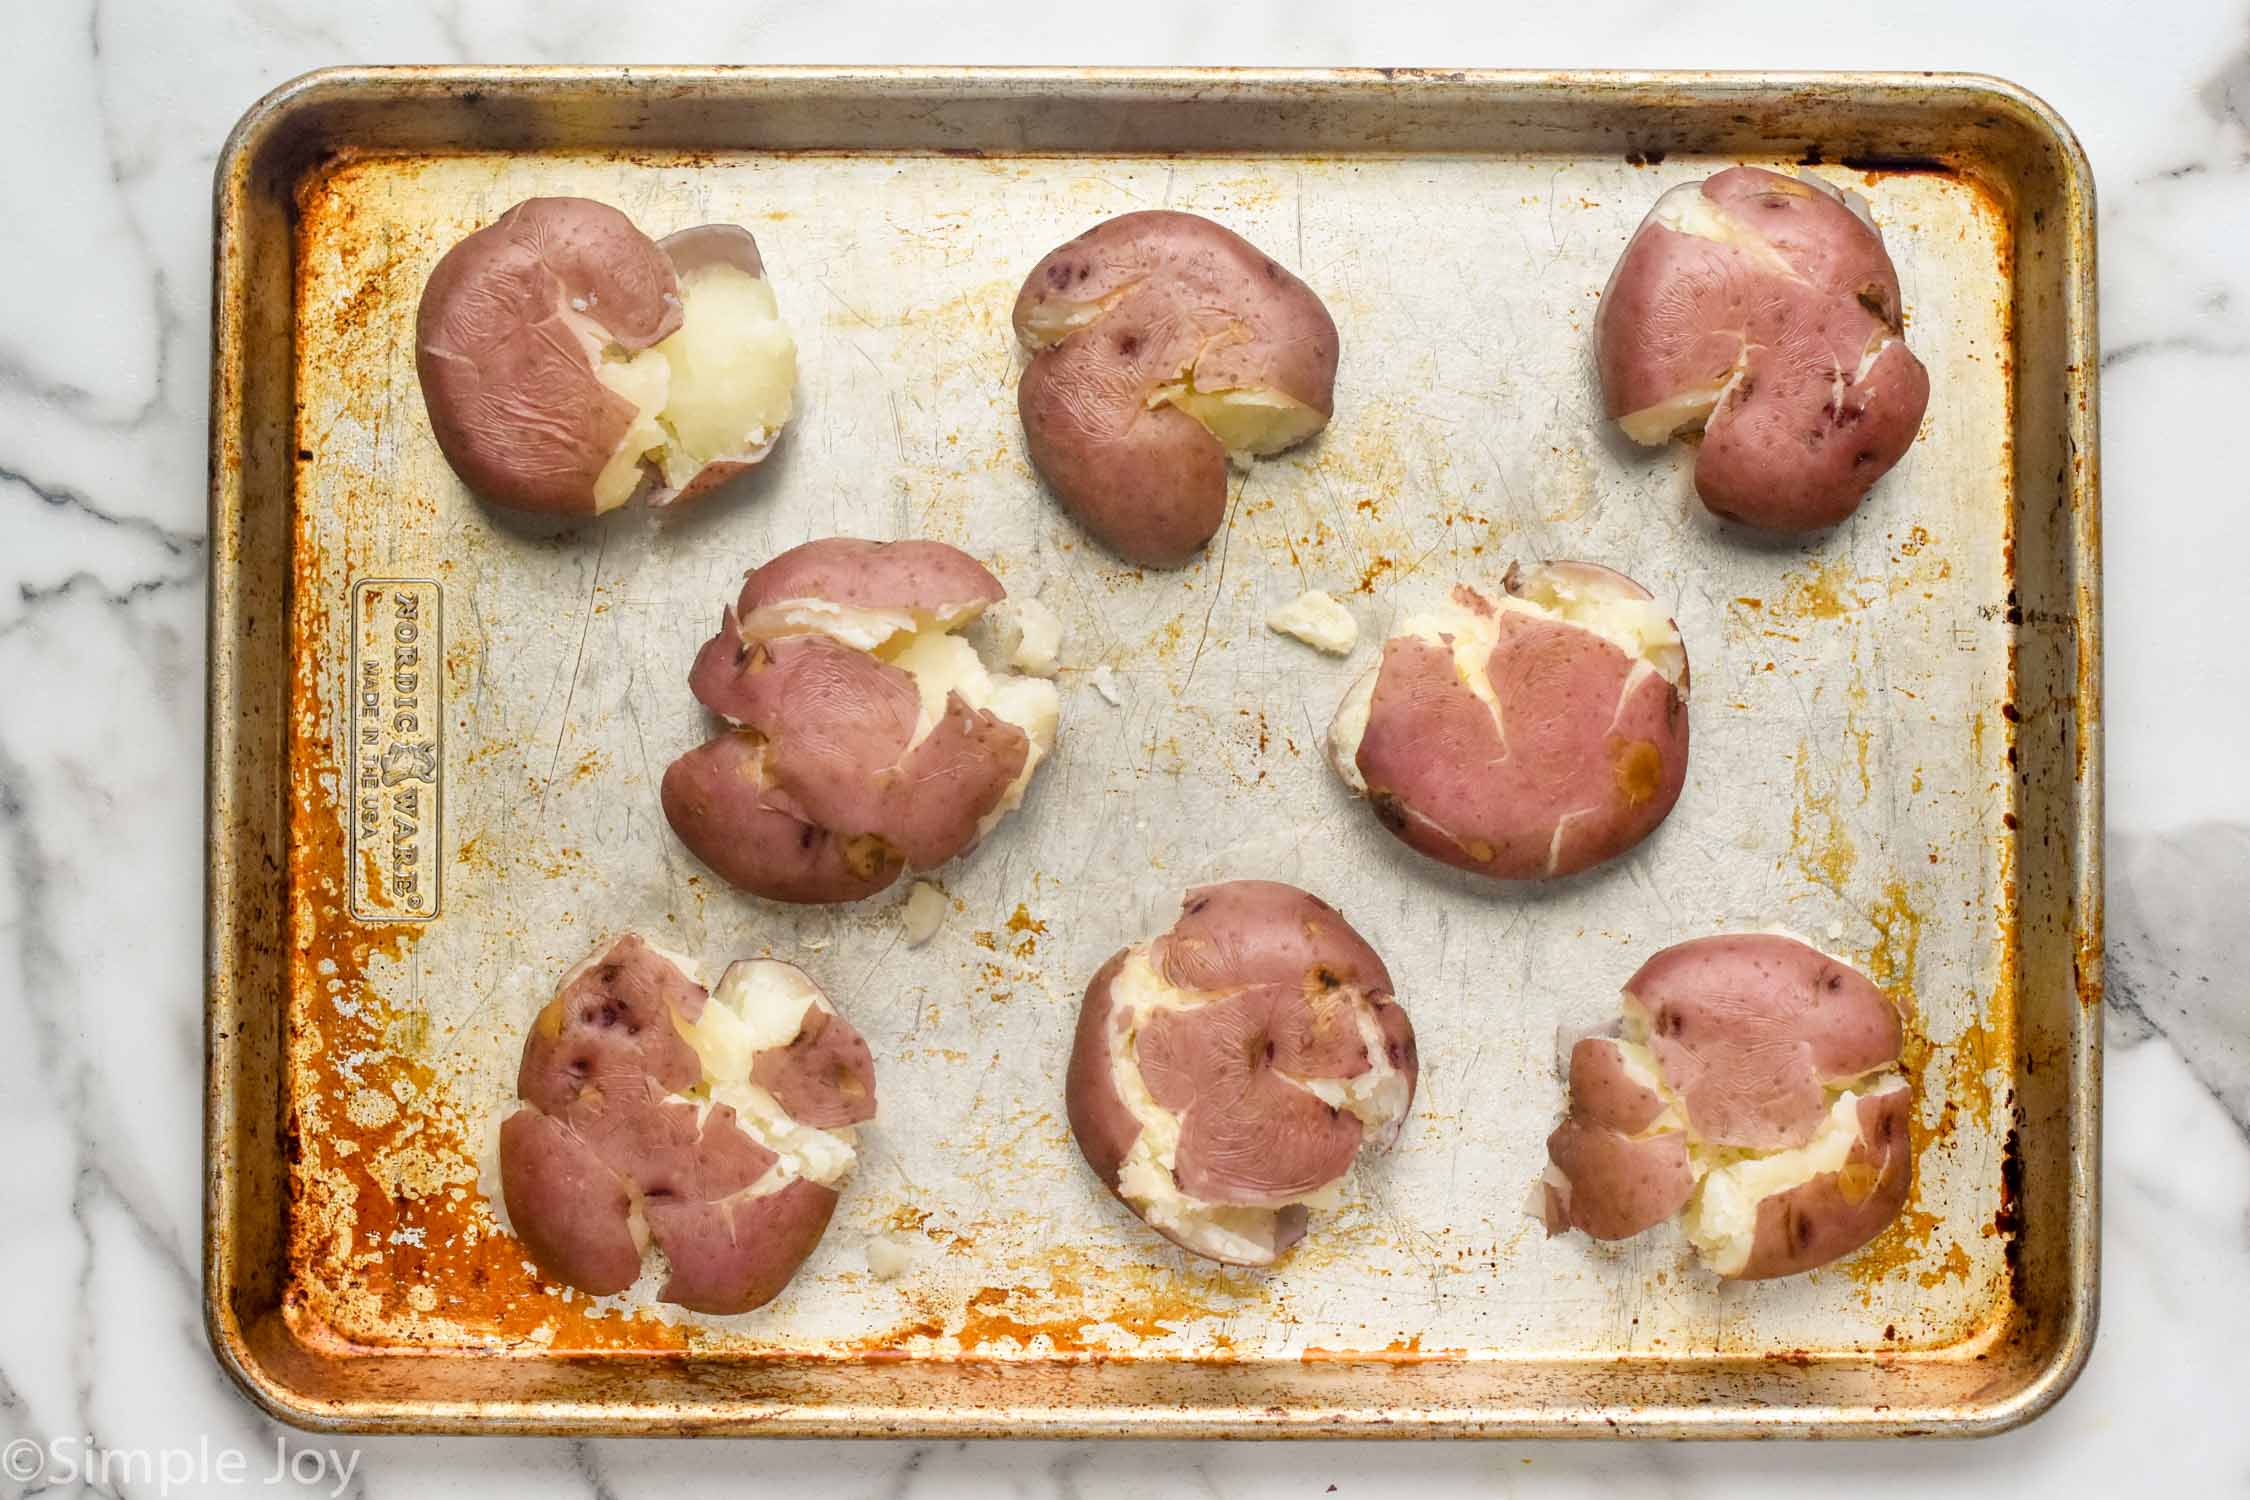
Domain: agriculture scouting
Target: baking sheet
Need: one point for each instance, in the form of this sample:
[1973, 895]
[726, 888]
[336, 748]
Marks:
[1856, 778]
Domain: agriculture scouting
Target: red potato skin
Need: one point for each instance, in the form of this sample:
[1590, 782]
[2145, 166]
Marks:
[729, 1257]
[1099, 1121]
[1838, 1212]
[1180, 292]
[1589, 747]
[1801, 437]
[1748, 1027]
[838, 724]
[909, 575]
[827, 797]
[1614, 1186]
[1247, 1136]
[609, 1032]
[604, 1123]
[571, 1211]
[512, 395]
[757, 838]
[825, 1077]
[1263, 932]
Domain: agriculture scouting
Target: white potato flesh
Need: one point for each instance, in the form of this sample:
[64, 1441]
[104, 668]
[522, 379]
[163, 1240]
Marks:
[1682, 411]
[887, 1259]
[643, 379]
[1319, 620]
[1640, 1066]
[942, 663]
[1030, 635]
[734, 371]
[722, 387]
[760, 1004]
[1250, 421]
[854, 625]
[1721, 1220]
[1052, 319]
[923, 914]
[1349, 727]
[1685, 210]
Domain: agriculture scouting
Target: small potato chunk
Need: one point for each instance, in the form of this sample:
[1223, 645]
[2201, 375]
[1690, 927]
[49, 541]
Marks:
[1227, 1073]
[700, 1134]
[569, 362]
[1525, 737]
[1763, 311]
[867, 737]
[1316, 618]
[1754, 1093]
[1162, 346]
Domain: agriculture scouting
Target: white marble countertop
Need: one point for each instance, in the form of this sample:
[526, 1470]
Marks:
[115, 114]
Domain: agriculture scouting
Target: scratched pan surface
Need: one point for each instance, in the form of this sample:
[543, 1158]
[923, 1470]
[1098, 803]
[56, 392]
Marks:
[438, 732]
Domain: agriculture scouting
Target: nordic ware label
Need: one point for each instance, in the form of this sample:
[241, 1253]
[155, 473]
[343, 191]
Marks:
[397, 748]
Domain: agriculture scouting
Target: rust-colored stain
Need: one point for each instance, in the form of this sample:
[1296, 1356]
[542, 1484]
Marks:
[1827, 590]
[372, 872]
[1954, 1267]
[390, 1243]
[1817, 835]
[1406, 1351]
[1074, 1307]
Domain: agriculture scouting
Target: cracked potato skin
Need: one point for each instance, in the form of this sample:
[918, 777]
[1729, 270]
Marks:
[1586, 758]
[1282, 973]
[1803, 433]
[1747, 1033]
[1167, 292]
[512, 395]
[819, 791]
[604, 1125]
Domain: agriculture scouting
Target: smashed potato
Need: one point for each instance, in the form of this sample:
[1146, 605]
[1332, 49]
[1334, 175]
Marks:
[1525, 737]
[1162, 344]
[1764, 311]
[697, 1137]
[867, 737]
[569, 362]
[1753, 1091]
[1227, 1073]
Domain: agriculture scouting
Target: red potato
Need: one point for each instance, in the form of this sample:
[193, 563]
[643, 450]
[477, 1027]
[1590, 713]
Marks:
[1754, 1093]
[711, 1128]
[867, 738]
[1163, 343]
[1527, 737]
[1227, 1073]
[570, 362]
[1764, 311]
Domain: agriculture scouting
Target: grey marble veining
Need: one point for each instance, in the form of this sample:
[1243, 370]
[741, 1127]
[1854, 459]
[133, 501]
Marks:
[115, 113]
